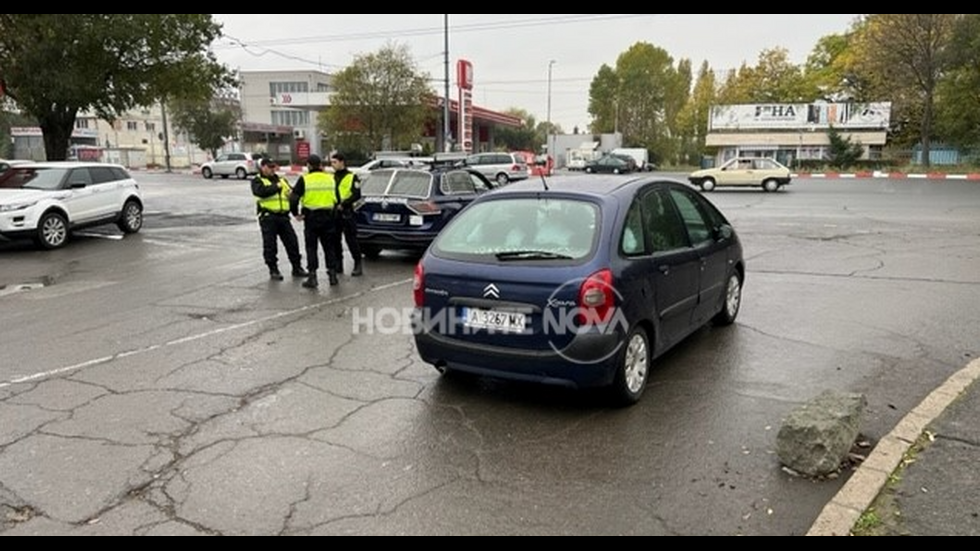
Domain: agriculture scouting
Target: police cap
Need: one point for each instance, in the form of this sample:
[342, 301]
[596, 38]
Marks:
[314, 161]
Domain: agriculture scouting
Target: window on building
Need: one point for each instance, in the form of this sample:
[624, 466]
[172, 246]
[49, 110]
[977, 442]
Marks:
[151, 127]
[276, 88]
[291, 117]
[132, 126]
[81, 123]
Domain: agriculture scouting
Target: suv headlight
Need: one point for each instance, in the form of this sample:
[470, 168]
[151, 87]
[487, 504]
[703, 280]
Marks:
[10, 207]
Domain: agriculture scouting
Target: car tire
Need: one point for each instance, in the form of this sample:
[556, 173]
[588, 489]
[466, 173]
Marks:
[707, 185]
[131, 218]
[241, 173]
[502, 179]
[770, 185]
[731, 301]
[371, 252]
[617, 171]
[206, 172]
[633, 368]
[52, 231]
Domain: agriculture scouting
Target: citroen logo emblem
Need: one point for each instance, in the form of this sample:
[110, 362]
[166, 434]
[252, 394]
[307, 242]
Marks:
[491, 291]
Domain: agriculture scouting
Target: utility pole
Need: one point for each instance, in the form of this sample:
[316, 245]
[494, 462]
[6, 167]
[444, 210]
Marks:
[446, 132]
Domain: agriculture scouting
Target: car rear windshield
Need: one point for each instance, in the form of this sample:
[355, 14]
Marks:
[404, 183]
[524, 228]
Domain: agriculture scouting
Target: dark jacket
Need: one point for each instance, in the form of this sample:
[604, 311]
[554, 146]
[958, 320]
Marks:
[260, 190]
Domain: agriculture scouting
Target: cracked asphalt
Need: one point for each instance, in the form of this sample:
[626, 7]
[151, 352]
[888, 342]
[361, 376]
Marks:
[161, 385]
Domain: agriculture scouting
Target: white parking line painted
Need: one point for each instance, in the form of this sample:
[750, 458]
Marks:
[105, 359]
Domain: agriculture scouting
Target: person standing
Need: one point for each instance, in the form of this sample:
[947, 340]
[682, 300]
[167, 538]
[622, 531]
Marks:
[271, 192]
[349, 192]
[314, 201]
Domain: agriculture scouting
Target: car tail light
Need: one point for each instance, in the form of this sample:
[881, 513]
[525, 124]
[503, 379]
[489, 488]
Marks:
[418, 285]
[596, 298]
[424, 207]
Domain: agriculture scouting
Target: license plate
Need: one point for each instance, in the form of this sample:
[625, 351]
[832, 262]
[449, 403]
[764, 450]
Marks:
[382, 217]
[495, 320]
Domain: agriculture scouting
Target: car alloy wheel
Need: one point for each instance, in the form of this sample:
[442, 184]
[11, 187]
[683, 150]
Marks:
[132, 217]
[52, 231]
[770, 185]
[708, 185]
[241, 173]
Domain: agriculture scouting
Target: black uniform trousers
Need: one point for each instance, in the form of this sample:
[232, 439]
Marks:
[277, 227]
[347, 232]
[320, 231]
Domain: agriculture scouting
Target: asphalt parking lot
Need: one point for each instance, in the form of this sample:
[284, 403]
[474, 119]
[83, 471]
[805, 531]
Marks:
[160, 384]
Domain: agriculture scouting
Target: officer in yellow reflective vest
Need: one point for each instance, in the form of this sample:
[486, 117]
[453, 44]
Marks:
[271, 193]
[349, 191]
[314, 201]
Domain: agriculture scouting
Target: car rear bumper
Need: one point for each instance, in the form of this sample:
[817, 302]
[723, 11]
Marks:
[588, 361]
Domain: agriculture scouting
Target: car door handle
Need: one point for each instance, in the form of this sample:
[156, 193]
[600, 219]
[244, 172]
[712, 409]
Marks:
[664, 269]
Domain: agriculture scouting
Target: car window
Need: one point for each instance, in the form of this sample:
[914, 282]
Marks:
[236, 157]
[120, 173]
[221, 158]
[698, 229]
[765, 164]
[479, 184]
[102, 174]
[563, 227]
[375, 182]
[410, 183]
[44, 178]
[79, 177]
[633, 242]
[664, 230]
[457, 183]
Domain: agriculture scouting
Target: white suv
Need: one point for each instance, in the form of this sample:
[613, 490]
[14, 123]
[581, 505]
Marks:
[501, 167]
[239, 165]
[47, 201]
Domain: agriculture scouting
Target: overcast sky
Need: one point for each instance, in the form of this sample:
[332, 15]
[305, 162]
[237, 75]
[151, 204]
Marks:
[511, 53]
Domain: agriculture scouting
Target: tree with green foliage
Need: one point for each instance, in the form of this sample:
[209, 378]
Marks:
[382, 101]
[210, 124]
[774, 79]
[637, 97]
[531, 136]
[55, 66]
[693, 118]
[904, 54]
[958, 103]
[842, 152]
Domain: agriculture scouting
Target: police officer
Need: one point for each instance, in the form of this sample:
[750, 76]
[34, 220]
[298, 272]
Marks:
[349, 191]
[271, 193]
[314, 201]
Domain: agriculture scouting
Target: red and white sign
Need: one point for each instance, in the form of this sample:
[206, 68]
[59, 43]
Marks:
[464, 77]
[303, 150]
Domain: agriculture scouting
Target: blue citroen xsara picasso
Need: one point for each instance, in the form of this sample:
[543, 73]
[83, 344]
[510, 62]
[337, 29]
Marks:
[581, 281]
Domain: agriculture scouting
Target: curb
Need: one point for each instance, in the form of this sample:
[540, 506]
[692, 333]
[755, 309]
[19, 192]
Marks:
[859, 492]
[888, 175]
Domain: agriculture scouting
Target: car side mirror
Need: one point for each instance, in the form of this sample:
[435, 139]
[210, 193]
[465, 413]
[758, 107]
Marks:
[723, 232]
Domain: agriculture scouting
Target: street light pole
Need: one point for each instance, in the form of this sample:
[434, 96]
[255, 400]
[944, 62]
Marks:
[446, 132]
[551, 64]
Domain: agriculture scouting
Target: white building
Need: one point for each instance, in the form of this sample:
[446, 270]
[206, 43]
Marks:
[280, 110]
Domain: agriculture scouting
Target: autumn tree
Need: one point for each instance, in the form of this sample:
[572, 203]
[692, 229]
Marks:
[382, 101]
[958, 104]
[774, 79]
[210, 124]
[55, 66]
[905, 54]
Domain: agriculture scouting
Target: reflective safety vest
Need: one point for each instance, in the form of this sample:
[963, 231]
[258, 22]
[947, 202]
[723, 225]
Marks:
[346, 187]
[320, 191]
[278, 203]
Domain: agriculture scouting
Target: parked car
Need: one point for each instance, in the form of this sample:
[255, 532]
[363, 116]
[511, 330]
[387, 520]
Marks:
[405, 208]
[583, 284]
[47, 201]
[5, 164]
[762, 172]
[239, 165]
[502, 168]
[392, 162]
[610, 164]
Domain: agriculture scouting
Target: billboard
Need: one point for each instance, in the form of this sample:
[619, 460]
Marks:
[801, 116]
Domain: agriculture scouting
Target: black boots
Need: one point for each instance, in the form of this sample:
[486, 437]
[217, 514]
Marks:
[275, 275]
[333, 277]
[311, 282]
[298, 271]
[358, 268]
